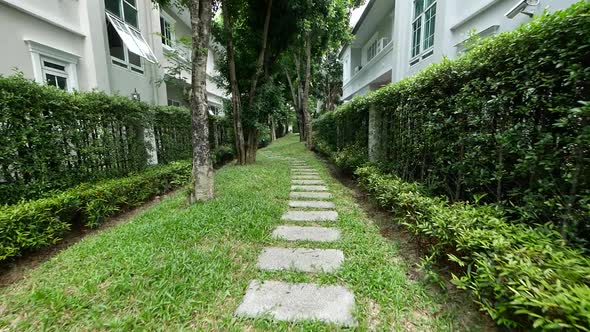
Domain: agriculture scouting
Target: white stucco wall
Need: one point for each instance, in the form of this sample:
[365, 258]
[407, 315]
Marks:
[18, 26]
[455, 20]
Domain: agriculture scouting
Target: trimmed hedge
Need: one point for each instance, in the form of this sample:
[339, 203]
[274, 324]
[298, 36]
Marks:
[522, 277]
[52, 140]
[503, 124]
[39, 223]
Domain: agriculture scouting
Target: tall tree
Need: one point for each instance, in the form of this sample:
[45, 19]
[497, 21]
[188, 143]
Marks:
[202, 187]
[250, 32]
[324, 27]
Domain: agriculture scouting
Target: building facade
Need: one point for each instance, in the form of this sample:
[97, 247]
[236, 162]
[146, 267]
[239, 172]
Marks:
[116, 46]
[394, 39]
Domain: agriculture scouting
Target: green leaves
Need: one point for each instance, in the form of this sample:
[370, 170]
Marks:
[52, 140]
[522, 277]
[503, 124]
[36, 224]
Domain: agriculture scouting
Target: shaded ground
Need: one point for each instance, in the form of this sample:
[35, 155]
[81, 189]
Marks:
[178, 267]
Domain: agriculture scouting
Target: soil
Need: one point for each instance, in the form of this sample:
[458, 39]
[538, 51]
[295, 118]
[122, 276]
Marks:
[411, 251]
[15, 270]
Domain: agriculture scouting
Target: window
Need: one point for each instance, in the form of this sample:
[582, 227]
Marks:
[172, 102]
[53, 66]
[423, 29]
[372, 50]
[167, 30]
[126, 44]
[54, 73]
[126, 10]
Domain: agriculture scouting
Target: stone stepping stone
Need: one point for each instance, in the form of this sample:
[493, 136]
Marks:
[312, 204]
[305, 177]
[308, 195]
[310, 216]
[298, 233]
[298, 302]
[300, 259]
[309, 188]
[307, 182]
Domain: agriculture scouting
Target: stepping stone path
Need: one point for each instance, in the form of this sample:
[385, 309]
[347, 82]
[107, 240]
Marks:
[286, 301]
[309, 233]
[307, 182]
[312, 204]
[296, 195]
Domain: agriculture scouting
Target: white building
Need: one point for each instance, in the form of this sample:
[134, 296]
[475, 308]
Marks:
[117, 46]
[394, 39]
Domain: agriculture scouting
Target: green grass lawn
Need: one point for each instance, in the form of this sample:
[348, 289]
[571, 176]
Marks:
[178, 267]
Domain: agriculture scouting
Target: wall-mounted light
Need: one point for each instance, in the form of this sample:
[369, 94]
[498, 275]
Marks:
[135, 95]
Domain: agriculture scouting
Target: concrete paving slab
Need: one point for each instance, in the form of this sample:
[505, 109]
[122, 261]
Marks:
[307, 182]
[309, 195]
[312, 204]
[305, 177]
[310, 216]
[298, 233]
[300, 259]
[298, 302]
[309, 188]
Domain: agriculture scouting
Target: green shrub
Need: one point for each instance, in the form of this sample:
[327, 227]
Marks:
[350, 157]
[53, 140]
[39, 223]
[503, 124]
[523, 277]
[223, 154]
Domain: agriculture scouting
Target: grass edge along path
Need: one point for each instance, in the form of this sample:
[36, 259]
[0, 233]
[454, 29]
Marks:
[179, 267]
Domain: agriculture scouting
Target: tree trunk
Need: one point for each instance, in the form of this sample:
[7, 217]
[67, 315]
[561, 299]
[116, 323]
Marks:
[273, 128]
[305, 98]
[235, 99]
[261, 54]
[252, 145]
[202, 172]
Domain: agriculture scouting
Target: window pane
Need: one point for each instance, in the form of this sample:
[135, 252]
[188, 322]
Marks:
[430, 20]
[57, 81]
[130, 15]
[115, 43]
[428, 3]
[143, 46]
[61, 82]
[416, 34]
[134, 59]
[54, 66]
[163, 30]
[418, 7]
[131, 2]
[113, 6]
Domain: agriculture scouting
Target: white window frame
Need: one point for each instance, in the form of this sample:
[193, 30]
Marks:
[54, 71]
[420, 19]
[133, 42]
[121, 15]
[172, 23]
[346, 67]
[171, 102]
[40, 52]
[371, 43]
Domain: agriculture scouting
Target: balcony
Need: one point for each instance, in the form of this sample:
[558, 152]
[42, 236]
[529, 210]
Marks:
[376, 72]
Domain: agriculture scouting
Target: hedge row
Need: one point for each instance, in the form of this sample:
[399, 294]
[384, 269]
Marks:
[52, 140]
[502, 124]
[39, 223]
[522, 277]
